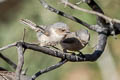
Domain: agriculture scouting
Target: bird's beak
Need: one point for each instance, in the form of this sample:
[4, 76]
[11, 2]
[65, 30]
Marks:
[68, 32]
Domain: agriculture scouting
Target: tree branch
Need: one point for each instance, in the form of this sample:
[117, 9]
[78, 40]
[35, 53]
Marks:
[102, 39]
[8, 46]
[95, 7]
[117, 28]
[20, 61]
[14, 66]
[91, 12]
[102, 21]
[73, 58]
[48, 69]
[45, 5]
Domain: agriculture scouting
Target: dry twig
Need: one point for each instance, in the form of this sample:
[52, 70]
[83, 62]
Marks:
[8, 46]
[91, 12]
[20, 61]
[48, 69]
[14, 66]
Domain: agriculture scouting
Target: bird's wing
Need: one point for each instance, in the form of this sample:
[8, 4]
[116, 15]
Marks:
[70, 40]
[47, 31]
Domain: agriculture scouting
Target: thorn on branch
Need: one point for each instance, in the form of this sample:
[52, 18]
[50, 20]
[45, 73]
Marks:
[24, 35]
[24, 71]
[79, 2]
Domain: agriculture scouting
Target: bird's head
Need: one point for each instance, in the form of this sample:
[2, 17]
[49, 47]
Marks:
[60, 29]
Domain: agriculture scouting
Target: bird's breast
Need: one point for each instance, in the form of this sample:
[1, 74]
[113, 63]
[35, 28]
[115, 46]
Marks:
[56, 37]
[43, 40]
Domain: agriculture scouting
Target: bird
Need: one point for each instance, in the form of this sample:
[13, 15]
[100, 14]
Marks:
[7, 75]
[75, 41]
[49, 35]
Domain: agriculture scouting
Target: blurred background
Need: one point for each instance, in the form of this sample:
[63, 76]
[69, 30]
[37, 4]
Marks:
[107, 67]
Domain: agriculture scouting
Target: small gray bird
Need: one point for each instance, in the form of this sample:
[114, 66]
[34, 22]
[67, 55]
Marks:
[49, 35]
[75, 41]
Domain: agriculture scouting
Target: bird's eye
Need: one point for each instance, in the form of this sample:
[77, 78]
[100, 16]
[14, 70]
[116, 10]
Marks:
[62, 30]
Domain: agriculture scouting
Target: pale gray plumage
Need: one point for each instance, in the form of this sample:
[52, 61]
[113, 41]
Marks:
[49, 35]
[54, 26]
[52, 34]
[83, 35]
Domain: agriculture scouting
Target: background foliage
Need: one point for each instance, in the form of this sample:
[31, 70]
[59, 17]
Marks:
[11, 30]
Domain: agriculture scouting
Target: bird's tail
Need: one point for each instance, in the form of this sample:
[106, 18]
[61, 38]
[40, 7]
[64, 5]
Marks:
[32, 25]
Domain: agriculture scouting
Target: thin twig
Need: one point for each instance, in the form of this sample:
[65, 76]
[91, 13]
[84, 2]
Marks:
[23, 39]
[91, 12]
[24, 71]
[14, 66]
[48, 69]
[20, 61]
[8, 46]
